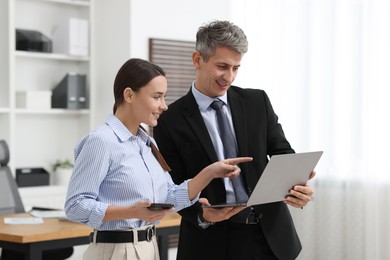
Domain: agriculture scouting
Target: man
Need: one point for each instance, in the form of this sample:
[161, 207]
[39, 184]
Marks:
[189, 137]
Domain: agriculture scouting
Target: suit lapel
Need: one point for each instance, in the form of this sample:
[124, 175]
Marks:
[195, 120]
[238, 111]
[239, 117]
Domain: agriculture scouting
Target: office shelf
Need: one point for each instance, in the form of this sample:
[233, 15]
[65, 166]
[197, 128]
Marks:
[68, 2]
[50, 56]
[53, 111]
[38, 137]
[4, 110]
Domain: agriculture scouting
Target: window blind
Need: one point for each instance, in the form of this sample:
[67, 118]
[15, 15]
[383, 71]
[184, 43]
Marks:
[175, 58]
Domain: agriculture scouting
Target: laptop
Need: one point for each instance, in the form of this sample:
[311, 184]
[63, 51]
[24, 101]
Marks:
[281, 173]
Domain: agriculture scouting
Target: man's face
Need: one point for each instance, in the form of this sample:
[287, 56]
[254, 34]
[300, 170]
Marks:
[214, 77]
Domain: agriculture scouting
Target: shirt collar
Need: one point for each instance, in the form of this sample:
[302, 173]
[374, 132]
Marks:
[204, 101]
[123, 133]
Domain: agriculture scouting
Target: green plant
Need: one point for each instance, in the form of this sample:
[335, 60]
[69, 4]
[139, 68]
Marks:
[64, 164]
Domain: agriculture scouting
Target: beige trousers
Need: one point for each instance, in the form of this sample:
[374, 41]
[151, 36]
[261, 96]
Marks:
[144, 250]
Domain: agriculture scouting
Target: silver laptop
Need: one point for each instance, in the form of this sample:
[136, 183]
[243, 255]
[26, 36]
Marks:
[279, 176]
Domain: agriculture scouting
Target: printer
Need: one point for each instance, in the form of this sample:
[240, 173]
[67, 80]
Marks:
[28, 40]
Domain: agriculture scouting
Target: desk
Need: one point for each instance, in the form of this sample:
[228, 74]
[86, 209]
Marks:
[54, 233]
[33, 239]
[168, 226]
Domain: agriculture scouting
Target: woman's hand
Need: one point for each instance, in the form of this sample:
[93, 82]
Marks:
[142, 212]
[138, 211]
[221, 169]
[227, 168]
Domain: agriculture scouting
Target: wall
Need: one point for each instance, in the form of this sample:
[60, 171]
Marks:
[111, 41]
[126, 28]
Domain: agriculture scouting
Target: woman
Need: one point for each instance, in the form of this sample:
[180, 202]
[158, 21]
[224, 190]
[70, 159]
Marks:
[119, 171]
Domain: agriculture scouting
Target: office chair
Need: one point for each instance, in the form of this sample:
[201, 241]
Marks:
[11, 202]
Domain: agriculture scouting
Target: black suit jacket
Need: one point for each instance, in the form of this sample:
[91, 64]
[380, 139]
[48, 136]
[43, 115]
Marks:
[184, 141]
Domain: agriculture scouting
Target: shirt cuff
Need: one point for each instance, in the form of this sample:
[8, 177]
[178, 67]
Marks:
[181, 198]
[97, 215]
[202, 224]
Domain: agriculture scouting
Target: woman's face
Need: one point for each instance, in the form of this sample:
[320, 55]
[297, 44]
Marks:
[149, 102]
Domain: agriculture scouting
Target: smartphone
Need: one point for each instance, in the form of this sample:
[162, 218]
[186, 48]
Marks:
[160, 206]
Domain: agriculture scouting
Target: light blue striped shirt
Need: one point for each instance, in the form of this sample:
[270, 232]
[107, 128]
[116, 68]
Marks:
[210, 119]
[114, 167]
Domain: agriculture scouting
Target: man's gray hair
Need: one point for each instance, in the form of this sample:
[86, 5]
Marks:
[220, 34]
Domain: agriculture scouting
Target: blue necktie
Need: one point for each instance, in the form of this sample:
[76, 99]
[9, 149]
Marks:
[229, 148]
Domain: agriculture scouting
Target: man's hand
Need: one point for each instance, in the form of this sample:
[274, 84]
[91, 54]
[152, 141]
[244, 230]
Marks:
[300, 195]
[218, 214]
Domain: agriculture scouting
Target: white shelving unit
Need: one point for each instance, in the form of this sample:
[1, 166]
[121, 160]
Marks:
[38, 137]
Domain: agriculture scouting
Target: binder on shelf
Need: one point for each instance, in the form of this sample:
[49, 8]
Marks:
[71, 92]
[71, 37]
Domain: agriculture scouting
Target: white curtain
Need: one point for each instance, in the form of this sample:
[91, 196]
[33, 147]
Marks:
[326, 67]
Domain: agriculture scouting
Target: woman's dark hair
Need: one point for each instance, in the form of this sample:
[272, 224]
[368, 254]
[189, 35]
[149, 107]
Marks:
[134, 74]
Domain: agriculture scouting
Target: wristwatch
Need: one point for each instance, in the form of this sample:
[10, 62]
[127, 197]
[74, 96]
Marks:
[202, 222]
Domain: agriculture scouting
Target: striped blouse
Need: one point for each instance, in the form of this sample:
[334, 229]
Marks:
[114, 167]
